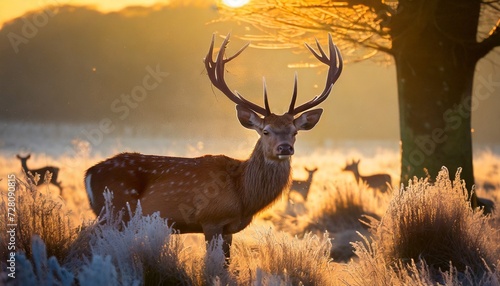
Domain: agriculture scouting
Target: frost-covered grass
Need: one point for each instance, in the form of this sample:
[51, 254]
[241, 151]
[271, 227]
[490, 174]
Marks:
[430, 235]
[142, 249]
[434, 222]
[423, 235]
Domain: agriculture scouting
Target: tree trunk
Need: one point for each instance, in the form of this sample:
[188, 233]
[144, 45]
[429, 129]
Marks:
[435, 121]
[435, 71]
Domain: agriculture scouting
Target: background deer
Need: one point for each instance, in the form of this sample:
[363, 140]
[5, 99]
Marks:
[303, 187]
[41, 171]
[214, 194]
[377, 181]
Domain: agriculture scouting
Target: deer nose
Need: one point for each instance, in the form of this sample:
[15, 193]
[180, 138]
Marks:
[285, 149]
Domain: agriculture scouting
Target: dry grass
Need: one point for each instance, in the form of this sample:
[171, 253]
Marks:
[435, 223]
[291, 260]
[430, 235]
[36, 213]
[424, 235]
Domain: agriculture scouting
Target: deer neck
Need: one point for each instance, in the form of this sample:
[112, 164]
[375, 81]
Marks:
[356, 174]
[24, 165]
[309, 179]
[264, 180]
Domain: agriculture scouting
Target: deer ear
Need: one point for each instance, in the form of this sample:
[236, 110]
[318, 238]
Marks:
[308, 119]
[248, 118]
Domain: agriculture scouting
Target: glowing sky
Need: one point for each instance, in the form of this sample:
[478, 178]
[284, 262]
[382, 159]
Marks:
[10, 9]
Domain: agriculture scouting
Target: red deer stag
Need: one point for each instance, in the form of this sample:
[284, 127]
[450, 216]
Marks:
[41, 171]
[303, 187]
[214, 194]
[377, 181]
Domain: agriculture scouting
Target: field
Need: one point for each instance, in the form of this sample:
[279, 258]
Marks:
[343, 234]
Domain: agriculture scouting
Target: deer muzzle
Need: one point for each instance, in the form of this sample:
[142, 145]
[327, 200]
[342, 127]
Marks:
[284, 151]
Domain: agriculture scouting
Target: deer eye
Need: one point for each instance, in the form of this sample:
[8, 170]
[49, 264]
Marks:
[265, 132]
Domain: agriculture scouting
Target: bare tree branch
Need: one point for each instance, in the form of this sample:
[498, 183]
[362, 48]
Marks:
[491, 42]
[361, 28]
[358, 26]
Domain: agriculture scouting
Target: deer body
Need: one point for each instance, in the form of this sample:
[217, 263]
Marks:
[215, 194]
[303, 187]
[377, 181]
[41, 171]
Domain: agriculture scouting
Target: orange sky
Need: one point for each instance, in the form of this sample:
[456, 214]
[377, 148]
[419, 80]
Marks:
[10, 9]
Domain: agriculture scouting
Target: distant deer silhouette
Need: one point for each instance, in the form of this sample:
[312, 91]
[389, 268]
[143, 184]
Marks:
[41, 171]
[303, 187]
[377, 181]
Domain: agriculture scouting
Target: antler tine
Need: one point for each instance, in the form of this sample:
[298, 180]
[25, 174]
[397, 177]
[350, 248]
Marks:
[216, 69]
[294, 95]
[323, 55]
[266, 101]
[335, 63]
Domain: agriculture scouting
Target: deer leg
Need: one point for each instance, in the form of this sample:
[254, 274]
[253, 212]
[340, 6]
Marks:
[58, 184]
[226, 246]
[214, 232]
[211, 233]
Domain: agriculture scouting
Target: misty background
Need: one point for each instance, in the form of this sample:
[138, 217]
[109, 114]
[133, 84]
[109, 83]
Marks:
[78, 67]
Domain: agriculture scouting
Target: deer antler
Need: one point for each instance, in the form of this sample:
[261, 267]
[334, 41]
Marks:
[215, 70]
[334, 62]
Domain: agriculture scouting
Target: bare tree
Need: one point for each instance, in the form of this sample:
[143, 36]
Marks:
[435, 45]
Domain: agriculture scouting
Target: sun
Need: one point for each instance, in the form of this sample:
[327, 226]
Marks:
[235, 3]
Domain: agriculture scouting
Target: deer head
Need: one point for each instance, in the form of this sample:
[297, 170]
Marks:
[353, 166]
[277, 132]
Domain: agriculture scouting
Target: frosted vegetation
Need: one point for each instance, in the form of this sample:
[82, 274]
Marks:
[344, 234]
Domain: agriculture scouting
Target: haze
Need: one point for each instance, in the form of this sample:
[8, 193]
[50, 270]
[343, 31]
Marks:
[80, 65]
